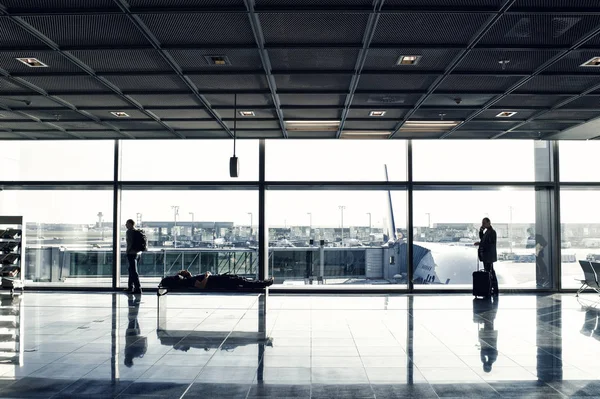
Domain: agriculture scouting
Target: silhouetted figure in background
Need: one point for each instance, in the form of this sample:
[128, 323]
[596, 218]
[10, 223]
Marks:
[487, 251]
[484, 311]
[541, 269]
[133, 256]
[135, 344]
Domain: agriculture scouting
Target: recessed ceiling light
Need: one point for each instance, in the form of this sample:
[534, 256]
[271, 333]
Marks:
[32, 62]
[247, 113]
[428, 126]
[219, 60]
[593, 62]
[314, 126]
[377, 113]
[505, 114]
[120, 114]
[408, 60]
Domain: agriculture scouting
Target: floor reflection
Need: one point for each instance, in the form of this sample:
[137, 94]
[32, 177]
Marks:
[97, 345]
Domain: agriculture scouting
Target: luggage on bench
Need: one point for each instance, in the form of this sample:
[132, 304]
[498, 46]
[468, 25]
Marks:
[482, 282]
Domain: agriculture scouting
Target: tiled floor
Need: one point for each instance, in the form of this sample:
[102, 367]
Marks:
[90, 345]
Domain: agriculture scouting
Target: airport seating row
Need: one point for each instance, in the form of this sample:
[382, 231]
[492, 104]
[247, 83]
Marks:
[591, 271]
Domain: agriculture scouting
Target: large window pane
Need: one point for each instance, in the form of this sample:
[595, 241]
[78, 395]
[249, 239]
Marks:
[187, 160]
[578, 161]
[580, 232]
[355, 228]
[57, 160]
[446, 227]
[195, 230]
[335, 160]
[68, 235]
[474, 160]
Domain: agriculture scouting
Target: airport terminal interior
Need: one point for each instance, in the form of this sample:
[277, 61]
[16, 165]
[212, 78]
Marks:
[347, 149]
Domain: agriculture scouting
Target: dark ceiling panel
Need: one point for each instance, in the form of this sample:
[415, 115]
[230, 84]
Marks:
[545, 125]
[479, 83]
[105, 114]
[59, 4]
[313, 27]
[124, 60]
[7, 115]
[395, 82]
[136, 125]
[458, 99]
[311, 3]
[157, 100]
[591, 4]
[12, 35]
[193, 124]
[56, 115]
[211, 28]
[10, 87]
[313, 58]
[312, 99]
[186, 3]
[147, 83]
[485, 125]
[444, 3]
[521, 114]
[432, 28]
[448, 114]
[80, 125]
[20, 125]
[570, 115]
[379, 100]
[572, 62]
[194, 59]
[313, 82]
[472, 134]
[229, 82]
[254, 124]
[560, 84]
[16, 102]
[515, 100]
[56, 62]
[431, 59]
[242, 99]
[530, 29]
[67, 83]
[518, 60]
[96, 100]
[585, 102]
[318, 113]
[180, 113]
[88, 30]
[375, 124]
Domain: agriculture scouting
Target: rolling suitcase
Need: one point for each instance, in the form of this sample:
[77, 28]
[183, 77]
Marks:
[482, 282]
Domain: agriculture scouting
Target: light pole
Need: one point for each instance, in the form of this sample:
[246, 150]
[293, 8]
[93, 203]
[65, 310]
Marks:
[251, 223]
[175, 214]
[428, 219]
[342, 207]
[510, 209]
[309, 224]
[369, 213]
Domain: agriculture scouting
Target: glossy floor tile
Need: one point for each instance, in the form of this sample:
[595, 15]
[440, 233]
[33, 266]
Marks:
[95, 345]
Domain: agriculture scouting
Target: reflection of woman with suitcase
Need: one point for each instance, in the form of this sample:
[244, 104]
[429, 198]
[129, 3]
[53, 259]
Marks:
[487, 251]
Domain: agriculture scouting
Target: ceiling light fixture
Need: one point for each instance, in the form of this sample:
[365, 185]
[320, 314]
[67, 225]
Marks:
[593, 62]
[120, 114]
[428, 126]
[247, 113]
[32, 62]
[408, 60]
[219, 60]
[503, 63]
[505, 114]
[312, 126]
[377, 113]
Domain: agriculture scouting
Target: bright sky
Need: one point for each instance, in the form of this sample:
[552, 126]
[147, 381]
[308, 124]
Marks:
[293, 160]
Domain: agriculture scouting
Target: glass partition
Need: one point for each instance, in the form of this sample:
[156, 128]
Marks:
[578, 161]
[197, 230]
[341, 238]
[68, 235]
[446, 227]
[335, 160]
[57, 160]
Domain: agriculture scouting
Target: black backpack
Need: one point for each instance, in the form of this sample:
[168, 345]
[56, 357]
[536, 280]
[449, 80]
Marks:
[140, 241]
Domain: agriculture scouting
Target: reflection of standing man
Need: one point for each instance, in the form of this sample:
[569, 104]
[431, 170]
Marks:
[135, 345]
[541, 270]
[487, 251]
[133, 284]
[488, 337]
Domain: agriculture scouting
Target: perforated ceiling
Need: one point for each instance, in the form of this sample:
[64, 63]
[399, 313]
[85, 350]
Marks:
[173, 66]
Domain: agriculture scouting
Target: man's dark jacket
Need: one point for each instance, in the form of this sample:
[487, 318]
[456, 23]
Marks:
[487, 246]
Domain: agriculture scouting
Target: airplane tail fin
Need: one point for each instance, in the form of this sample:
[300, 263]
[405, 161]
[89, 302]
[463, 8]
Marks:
[390, 225]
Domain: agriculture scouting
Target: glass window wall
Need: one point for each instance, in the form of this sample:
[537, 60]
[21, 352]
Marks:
[337, 238]
[446, 226]
[196, 230]
[68, 235]
[57, 160]
[578, 161]
[335, 160]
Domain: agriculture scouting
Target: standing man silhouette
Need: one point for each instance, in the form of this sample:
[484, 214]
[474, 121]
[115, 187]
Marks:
[487, 251]
[133, 255]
